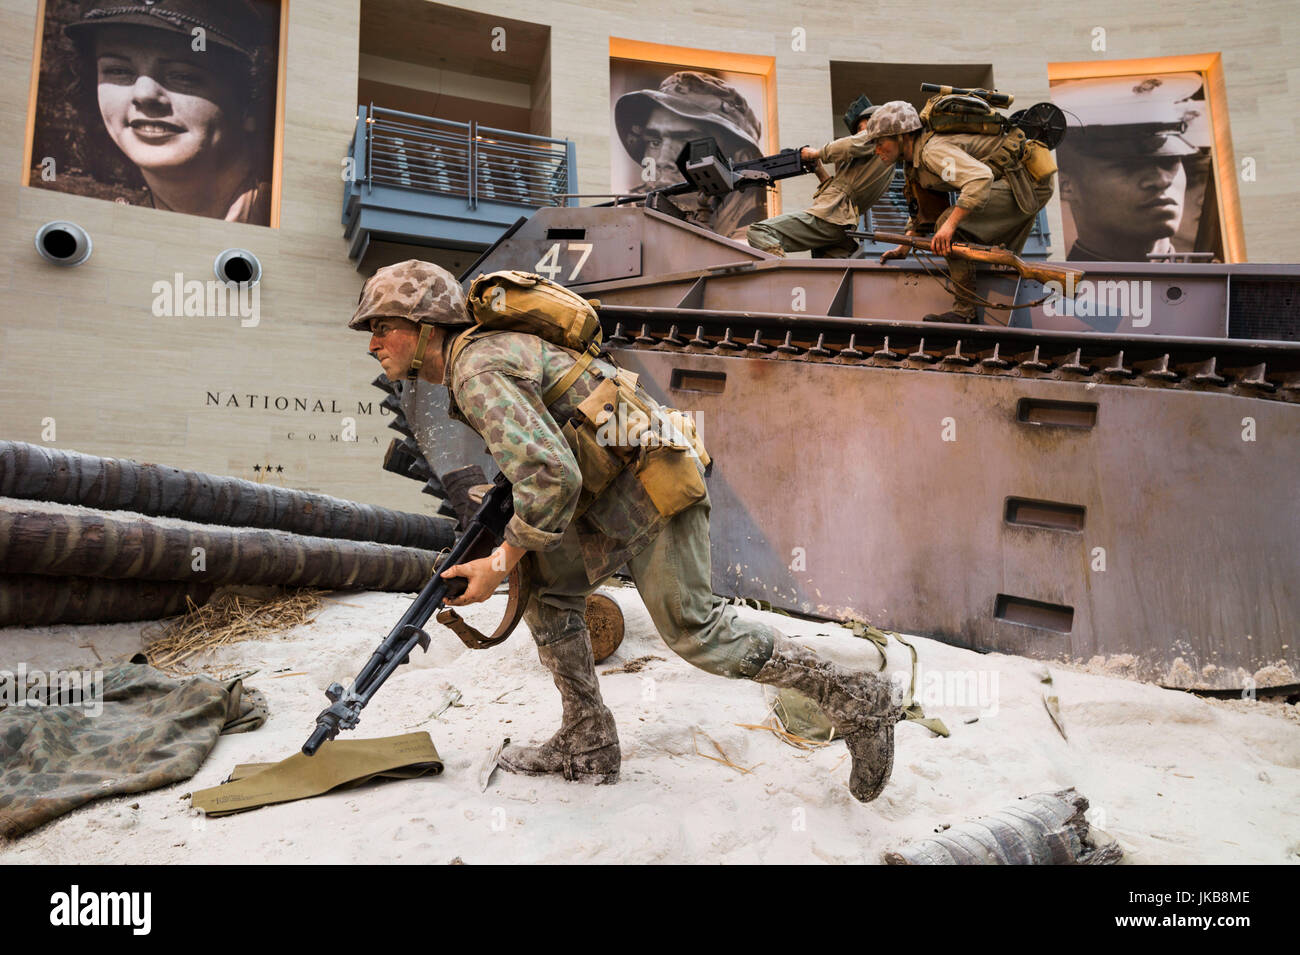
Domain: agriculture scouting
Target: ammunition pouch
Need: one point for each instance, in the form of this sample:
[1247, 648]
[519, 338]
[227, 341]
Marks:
[614, 428]
[599, 459]
[671, 479]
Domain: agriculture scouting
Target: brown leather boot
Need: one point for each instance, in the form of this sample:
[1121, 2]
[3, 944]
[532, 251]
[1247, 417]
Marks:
[859, 704]
[586, 746]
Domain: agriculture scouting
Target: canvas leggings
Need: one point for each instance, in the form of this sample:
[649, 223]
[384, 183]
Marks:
[673, 574]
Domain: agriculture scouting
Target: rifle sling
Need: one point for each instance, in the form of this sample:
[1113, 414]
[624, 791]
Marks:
[518, 601]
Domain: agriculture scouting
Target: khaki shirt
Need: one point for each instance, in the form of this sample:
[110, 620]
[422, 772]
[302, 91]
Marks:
[951, 162]
[860, 180]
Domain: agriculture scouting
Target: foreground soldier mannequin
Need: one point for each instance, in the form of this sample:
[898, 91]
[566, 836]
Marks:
[415, 311]
[999, 198]
[860, 180]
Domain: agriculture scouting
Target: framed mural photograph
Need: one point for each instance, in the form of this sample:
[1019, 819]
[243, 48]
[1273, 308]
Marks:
[661, 98]
[170, 104]
[1146, 169]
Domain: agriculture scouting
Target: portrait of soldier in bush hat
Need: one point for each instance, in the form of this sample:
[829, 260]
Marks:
[654, 124]
[165, 103]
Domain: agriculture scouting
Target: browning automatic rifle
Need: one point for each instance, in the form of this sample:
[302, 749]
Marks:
[1066, 277]
[485, 531]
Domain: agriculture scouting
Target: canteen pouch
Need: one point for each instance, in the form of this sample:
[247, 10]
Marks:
[671, 478]
[1038, 160]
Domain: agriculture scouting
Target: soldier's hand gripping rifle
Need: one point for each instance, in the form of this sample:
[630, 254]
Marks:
[485, 531]
[1065, 277]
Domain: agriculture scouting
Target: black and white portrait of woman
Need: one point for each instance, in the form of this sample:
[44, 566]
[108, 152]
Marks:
[162, 103]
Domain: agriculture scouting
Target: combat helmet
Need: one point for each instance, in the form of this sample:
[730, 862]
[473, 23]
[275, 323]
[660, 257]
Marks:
[416, 291]
[859, 108]
[893, 119]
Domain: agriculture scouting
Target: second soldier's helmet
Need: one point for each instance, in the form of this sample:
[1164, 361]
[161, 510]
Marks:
[893, 119]
[414, 290]
[859, 108]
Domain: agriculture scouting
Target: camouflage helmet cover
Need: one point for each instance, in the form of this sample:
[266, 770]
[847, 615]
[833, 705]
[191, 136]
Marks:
[414, 290]
[712, 102]
[893, 119]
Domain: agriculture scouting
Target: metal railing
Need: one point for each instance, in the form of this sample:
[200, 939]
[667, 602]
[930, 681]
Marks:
[461, 159]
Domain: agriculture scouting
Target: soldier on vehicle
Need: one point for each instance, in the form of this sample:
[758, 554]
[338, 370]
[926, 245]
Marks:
[1003, 181]
[860, 179]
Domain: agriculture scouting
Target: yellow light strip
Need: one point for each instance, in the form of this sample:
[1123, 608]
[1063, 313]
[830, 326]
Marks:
[31, 99]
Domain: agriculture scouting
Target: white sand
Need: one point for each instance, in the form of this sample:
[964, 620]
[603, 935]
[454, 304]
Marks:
[1174, 778]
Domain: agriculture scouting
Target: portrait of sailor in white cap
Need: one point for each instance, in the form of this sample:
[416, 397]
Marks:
[1123, 163]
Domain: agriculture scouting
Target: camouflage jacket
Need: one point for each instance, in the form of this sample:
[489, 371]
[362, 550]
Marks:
[496, 387]
[860, 180]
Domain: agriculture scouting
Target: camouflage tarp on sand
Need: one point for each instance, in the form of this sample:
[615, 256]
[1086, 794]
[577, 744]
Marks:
[153, 730]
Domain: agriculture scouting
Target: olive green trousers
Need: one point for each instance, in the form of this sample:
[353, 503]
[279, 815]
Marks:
[1000, 221]
[673, 574]
[799, 232]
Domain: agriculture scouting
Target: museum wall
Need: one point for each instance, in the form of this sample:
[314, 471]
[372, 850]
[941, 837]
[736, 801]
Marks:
[82, 347]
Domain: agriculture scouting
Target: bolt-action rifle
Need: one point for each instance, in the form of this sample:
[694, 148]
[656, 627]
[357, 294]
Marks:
[485, 531]
[1066, 277]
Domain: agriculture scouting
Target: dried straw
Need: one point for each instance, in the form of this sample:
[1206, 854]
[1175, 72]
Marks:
[632, 666]
[773, 726]
[229, 618]
[725, 760]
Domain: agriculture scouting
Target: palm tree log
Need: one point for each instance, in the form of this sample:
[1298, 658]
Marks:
[34, 472]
